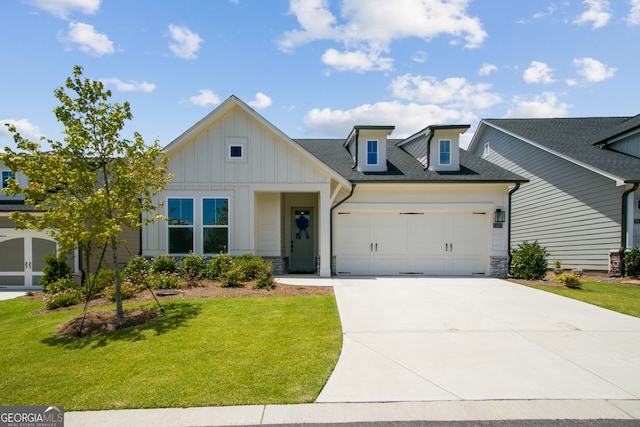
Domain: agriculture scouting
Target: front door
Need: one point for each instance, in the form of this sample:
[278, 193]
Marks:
[22, 258]
[301, 257]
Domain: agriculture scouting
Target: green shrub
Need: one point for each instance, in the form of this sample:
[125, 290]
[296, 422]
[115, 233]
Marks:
[163, 264]
[55, 268]
[632, 263]
[137, 271]
[62, 293]
[251, 265]
[99, 281]
[164, 281]
[218, 265]
[127, 290]
[233, 276]
[192, 267]
[264, 279]
[529, 261]
[569, 280]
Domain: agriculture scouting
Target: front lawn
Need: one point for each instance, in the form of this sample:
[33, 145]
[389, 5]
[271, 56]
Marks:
[613, 296]
[201, 352]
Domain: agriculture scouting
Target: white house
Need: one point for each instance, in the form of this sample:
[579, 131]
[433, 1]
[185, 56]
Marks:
[363, 205]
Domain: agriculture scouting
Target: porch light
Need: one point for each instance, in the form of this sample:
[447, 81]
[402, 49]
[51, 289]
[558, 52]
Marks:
[499, 216]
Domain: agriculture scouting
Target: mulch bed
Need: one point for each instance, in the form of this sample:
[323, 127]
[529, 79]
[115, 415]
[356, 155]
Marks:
[101, 321]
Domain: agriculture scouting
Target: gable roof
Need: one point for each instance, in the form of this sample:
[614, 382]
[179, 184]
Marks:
[579, 140]
[402, 167]
[233, 101]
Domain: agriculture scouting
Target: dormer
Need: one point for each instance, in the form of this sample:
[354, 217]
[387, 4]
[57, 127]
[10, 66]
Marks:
[437, 147]
[368, 147]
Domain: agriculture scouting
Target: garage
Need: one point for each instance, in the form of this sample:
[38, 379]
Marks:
[411, 242]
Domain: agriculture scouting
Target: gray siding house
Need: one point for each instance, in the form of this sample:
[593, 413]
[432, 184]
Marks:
[582, 202]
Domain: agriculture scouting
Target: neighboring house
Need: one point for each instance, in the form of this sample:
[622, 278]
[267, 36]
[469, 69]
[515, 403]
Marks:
[582, 199]
[364, 205]
[22, 252]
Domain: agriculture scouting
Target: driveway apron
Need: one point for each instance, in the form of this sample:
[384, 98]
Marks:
[423, 339]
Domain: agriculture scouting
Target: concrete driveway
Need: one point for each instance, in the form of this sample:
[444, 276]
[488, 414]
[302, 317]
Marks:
[423, 339]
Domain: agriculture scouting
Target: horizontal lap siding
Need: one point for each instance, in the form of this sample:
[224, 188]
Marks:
[573, 212]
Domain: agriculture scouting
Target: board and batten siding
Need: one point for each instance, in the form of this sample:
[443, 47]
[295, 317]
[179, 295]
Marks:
[573, 212]
[201, 168]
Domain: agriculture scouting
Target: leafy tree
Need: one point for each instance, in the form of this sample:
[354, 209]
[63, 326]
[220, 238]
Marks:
[95, 183]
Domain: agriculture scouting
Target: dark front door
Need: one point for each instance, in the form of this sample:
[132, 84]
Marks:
[301, 257]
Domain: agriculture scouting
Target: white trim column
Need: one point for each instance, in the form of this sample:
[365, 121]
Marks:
[324, 248]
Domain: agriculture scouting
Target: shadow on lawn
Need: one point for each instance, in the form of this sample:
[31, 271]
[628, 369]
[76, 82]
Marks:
[175, 315]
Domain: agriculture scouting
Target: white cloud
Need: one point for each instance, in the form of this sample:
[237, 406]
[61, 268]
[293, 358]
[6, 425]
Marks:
[204, 98]
[634, 14]
[185, 43]
[407, 118]
[540, 106]
[62, 8]
[550, 11]
[26, 129]
[452, 92]
[130, 86]
[420, 57]
[538, 72]
[88, 39]
[262, 101]
[487, 69]
[593, 70]
[370, 26]
[358, 61]
[597, 14]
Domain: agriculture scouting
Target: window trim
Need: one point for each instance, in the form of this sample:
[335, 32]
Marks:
[376, 152]
[191, 226]
[441, 152]
[204, 226]
[230, 144]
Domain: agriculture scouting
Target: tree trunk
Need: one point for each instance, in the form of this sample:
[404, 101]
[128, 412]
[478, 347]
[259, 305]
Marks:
[116, 272]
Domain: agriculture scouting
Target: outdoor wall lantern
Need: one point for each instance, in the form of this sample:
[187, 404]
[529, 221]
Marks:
[499, 216]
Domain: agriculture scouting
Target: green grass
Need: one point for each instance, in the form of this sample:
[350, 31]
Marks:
[617, 297]
[204, 352]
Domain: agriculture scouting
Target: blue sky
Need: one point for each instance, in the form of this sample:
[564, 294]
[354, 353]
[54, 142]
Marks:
[316, 68]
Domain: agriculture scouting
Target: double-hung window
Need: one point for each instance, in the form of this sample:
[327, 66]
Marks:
[372, 152]
[445, 152]
[5, 176]
[181, 225]
[215, 226]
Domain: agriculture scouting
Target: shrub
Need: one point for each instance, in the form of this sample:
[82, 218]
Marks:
[137, 271]
[251, 265]
[62, 293]
[632, 262]
[127, 290]
[192, 267]
[529, 261]
[99, 281]
[233, 276]
[264, 279]
[55, 268]
[218, 265]
[163, 264]
[569, 280]
[164, 281]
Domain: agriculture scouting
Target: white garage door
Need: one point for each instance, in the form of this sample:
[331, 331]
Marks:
[449, 243]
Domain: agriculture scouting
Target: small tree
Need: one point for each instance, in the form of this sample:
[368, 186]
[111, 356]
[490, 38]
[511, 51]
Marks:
[529, 261]
[95, 183]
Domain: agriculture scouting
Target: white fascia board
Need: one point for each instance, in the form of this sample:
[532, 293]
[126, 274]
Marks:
[618, 180]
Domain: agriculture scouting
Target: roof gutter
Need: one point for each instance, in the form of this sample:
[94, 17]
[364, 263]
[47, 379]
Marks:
[513, 190]
[623, 225]
[353, 187]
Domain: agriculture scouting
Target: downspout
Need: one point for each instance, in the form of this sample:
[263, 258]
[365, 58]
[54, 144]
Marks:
[429, 150]
[353, 187]
[513, 190]
[623, 226]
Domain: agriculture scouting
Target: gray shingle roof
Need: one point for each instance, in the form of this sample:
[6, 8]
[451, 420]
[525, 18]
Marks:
[580, 139]
[402, 167]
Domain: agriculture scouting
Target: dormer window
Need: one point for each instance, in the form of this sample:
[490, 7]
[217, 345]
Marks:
[372, 152]
[445, 152]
